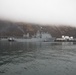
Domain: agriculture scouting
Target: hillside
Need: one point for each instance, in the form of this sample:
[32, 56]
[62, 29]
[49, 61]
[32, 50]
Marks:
[17, 29]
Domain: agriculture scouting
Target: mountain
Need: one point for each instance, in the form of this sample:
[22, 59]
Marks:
[17, 29]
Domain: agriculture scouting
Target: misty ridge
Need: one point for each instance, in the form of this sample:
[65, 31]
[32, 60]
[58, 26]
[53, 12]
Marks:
[17, 29]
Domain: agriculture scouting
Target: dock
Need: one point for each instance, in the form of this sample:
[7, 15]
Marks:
[59, 40]
[65, 39]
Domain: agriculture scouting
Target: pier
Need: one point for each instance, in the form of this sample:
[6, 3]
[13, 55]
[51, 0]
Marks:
[65, 39]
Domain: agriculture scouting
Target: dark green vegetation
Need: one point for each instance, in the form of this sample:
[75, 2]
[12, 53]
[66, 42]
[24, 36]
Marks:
[17, 29]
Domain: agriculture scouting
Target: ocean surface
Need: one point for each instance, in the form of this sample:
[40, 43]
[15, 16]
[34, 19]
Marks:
[45, 58]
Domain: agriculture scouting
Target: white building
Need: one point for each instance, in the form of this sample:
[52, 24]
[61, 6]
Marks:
[67, 37]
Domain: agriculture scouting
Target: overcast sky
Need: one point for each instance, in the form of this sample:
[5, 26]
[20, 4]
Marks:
[39, 11]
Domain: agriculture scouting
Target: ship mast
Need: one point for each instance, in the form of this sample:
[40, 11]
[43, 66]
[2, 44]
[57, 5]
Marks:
[40, 32]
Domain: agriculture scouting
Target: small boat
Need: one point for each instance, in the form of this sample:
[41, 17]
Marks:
[10, 39]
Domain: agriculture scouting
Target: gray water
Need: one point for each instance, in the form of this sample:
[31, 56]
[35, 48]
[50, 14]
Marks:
[19, 58]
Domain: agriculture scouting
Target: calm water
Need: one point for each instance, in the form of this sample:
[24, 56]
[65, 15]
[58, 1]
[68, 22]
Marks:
[17, 58]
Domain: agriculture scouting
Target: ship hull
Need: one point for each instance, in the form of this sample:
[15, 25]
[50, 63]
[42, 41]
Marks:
[35, 40]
